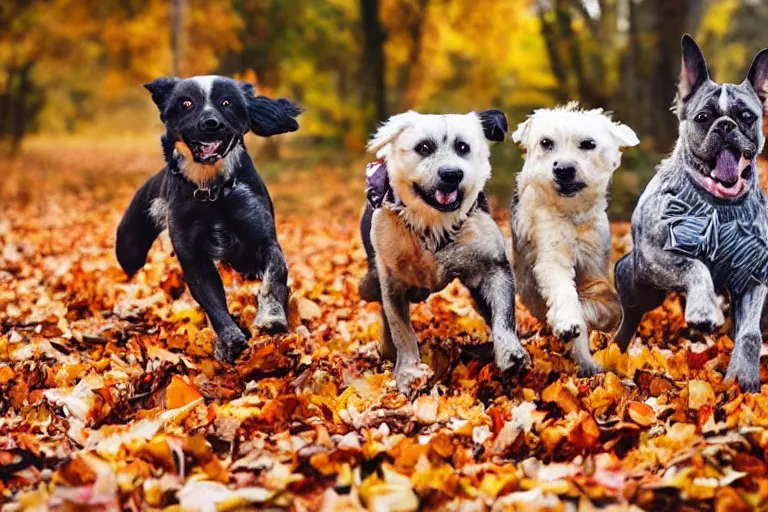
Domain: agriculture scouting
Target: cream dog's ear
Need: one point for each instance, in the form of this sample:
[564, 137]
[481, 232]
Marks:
[623, 134]
[522, 133]
[381, 142]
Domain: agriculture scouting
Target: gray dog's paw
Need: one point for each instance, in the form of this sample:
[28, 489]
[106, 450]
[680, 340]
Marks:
[566, 331]
[410, 379]
[229, 344]
[746, 374]
[703, 315]
[270, 315]
[589, 368]
[511, 356]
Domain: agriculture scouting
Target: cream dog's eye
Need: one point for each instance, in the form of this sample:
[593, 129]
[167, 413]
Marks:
[462, 148]
[587, 145]
[425, 148]
[547, 144]
[747, 117]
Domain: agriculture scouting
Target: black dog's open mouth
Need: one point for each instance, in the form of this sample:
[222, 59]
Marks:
[569, 189]
[730, 174]
[209, 152]
[442, 199]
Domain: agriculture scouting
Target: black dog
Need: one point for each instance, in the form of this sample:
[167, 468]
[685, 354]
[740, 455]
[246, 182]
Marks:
[210, 198]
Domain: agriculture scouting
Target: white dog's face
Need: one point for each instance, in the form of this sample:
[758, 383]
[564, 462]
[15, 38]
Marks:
[438, 164]
[571, 152]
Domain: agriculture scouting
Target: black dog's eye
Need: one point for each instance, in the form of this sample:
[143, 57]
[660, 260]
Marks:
[425, 148]
[587, 145]
[187, 104]
[747, 117]
[702, 117]
[547, 144]
[225, 103]
[462, 148]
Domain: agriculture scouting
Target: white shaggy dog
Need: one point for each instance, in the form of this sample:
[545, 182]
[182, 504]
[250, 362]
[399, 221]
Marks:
[429, 223]
[560, 230]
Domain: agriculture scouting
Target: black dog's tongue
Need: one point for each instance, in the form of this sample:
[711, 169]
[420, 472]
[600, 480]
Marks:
[727, 168]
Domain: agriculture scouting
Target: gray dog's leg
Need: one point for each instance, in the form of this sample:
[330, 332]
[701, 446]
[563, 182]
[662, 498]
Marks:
[745, 358]
[636, 300]
[495, 298]
[398, 331]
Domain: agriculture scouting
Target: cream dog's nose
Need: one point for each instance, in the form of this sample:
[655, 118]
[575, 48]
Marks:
[564, 171]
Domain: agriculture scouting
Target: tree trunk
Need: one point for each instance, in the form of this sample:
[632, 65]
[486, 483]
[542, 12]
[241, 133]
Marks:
[549, 34]
[178, 8]
[19, 116]
[374, 88]
[414, 73]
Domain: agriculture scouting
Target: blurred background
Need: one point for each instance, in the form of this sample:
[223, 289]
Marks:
[71, 70]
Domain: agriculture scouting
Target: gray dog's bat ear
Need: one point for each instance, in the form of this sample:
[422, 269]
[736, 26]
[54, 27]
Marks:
[268, 116]
[694, 70]
[161, 90]
[388, 131]
[520, 135]
[495, 126]
[758, 76]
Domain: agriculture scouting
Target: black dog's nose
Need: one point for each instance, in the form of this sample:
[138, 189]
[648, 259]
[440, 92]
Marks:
[564, 171]
[450, 174]
[210, 124]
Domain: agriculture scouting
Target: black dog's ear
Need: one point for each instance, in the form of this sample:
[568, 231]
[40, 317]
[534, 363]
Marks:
[161, 90]
[758, 76]
[494, 123]
[694, 70]
[269, 117]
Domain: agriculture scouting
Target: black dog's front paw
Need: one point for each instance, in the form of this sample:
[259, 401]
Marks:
[270, 315]
[229, 344]
[416, 295]
[369, 287]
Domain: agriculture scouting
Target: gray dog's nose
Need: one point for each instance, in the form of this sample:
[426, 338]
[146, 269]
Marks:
[209, 124]
[450, 174]
[725, 126]
[564, 171]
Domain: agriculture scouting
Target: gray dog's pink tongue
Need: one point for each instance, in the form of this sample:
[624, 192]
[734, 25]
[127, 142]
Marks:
[727, 169]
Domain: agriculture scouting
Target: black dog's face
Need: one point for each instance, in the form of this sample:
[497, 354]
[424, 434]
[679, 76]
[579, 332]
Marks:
[720, 125]
[210, 114]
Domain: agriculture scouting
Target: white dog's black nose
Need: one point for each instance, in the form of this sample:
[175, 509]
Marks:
[450, 174]
[209, 124]
[564, 171]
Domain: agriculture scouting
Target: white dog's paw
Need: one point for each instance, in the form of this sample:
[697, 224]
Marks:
[411, 378]
[565, 329]
[703, 314]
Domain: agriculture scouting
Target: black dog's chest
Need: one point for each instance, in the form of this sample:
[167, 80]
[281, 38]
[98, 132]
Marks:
[730, 239]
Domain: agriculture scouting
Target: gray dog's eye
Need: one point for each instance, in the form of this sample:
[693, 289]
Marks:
[547, 144]
[747, 117]
[587, 145]
[462, 148]
[425, 148]
[702, 117]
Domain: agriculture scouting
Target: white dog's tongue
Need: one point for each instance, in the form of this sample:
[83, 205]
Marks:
[446, 199]
[727, 169]
[209, 148]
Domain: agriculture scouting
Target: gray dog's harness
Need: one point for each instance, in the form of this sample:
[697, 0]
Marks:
[730, 239]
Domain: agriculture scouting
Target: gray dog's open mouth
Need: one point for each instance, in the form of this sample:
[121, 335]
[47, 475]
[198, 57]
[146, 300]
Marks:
[729, 176]
[442, 200]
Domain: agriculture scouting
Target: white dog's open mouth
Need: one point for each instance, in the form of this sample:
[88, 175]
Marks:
[729, 178]
[443, 200]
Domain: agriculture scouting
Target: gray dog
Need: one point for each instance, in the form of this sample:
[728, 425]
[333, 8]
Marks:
[701, 226]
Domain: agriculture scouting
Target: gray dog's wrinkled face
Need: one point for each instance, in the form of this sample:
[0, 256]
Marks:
[720, 125]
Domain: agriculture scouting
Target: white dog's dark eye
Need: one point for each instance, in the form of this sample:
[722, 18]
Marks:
[747, 116]
[547, 144]
[225, 103]
[587, 145]
[701, 117]
[187, 104]
[425, 148]
[462, 148]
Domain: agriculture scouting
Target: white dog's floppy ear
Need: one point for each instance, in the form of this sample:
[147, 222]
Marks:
[523, 131]
[388, 132]
[623, 134]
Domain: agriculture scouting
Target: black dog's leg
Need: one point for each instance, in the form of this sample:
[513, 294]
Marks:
[206, 287]
[137, 230]
[636, 300]
[273, 294]
[494, 295]
[745, 358]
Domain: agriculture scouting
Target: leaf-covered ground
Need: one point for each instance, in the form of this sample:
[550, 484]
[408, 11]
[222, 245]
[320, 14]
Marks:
[110, 399]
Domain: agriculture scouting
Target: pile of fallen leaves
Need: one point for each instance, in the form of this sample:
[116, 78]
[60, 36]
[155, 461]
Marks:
[110, 399]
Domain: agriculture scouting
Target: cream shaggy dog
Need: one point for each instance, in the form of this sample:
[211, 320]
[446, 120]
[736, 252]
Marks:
[430, 224]
[560, 230]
